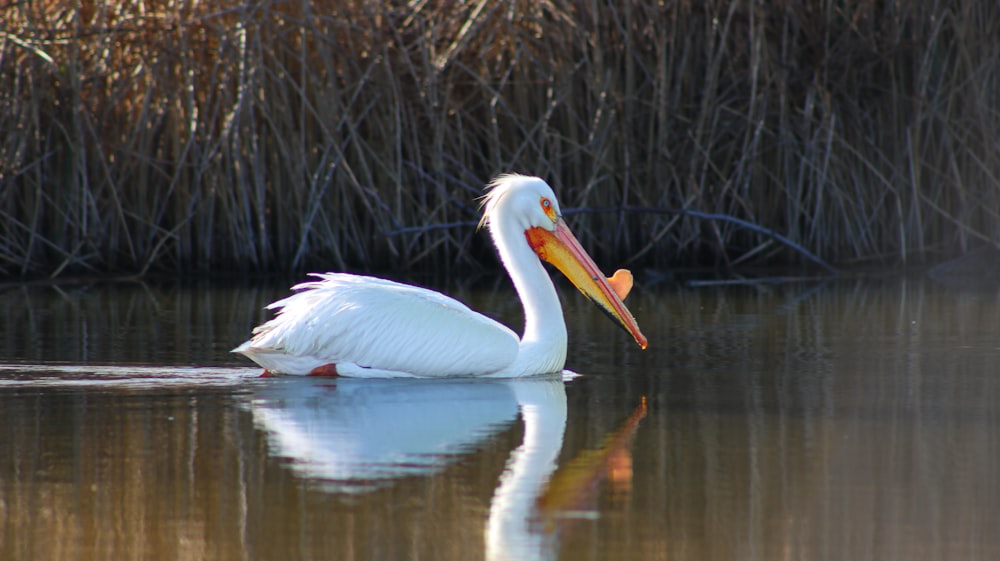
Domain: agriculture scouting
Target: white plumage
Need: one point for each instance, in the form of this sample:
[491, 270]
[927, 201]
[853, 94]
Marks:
[371, 327]
[350, 320]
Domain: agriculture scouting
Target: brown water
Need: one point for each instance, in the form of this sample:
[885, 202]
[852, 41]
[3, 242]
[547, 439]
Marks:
[852, 420]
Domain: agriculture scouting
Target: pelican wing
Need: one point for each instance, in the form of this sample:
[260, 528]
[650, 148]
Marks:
[381, 326]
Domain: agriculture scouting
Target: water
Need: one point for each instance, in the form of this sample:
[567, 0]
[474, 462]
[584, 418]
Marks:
[849, 420]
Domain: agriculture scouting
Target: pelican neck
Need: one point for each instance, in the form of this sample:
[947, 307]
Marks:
[544, 325]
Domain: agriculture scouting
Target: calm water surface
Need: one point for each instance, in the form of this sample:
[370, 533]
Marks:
[851, 420]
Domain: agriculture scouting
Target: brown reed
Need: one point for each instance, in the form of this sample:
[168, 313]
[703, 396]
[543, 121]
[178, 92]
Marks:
[177, 136]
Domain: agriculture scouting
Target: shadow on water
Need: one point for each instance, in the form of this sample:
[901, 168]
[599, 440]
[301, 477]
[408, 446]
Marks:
[852, 420]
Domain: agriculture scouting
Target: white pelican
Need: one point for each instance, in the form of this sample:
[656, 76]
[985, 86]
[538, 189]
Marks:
[353, 325]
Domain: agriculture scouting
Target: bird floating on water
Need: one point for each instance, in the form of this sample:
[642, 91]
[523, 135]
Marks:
[353, 325]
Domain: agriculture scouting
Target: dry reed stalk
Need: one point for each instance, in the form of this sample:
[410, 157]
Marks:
[274, 135]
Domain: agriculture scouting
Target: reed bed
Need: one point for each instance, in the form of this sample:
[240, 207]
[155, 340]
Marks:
[191, 137]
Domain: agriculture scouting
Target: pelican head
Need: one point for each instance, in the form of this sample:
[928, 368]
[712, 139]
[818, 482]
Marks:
[523, 214]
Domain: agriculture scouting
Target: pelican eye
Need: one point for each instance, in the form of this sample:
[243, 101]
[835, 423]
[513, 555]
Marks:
[548, 209]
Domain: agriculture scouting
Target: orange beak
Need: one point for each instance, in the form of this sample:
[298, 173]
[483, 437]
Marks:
[562, 249]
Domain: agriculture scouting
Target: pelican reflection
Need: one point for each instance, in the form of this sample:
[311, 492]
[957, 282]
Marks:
[354, 435]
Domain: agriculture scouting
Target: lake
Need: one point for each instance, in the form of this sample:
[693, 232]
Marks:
[853, 419]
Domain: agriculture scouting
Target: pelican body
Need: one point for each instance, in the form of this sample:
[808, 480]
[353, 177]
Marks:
[362, 326]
